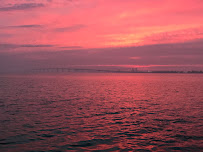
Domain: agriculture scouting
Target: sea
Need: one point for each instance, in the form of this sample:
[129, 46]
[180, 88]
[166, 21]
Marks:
[101, 112]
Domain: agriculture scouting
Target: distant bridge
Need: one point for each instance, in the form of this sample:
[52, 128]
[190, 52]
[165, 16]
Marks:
[44, 70]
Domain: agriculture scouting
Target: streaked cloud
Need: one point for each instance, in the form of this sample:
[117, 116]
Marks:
[4, 46]
[71, 47]
[7, 46]
[35, 45]
[72, 28]
[25, 26]
[23, 6]
[5, 35]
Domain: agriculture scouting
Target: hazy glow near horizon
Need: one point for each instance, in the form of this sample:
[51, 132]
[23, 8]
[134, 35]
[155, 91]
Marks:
[60, 25]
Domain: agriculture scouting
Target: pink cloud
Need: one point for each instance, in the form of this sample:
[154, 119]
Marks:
[109, 23]
[115, 26]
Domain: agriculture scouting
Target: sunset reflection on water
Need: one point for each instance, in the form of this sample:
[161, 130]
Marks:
[101, 112]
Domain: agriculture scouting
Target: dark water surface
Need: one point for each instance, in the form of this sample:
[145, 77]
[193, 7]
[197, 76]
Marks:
[101, 112]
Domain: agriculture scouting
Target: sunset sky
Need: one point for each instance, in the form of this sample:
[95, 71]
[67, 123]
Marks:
[131, 33]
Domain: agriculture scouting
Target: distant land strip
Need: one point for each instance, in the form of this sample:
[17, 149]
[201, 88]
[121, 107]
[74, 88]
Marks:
[45, 70]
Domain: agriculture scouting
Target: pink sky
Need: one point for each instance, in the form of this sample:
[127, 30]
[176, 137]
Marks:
[96, 25]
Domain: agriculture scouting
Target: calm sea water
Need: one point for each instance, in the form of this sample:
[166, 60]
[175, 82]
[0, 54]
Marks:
[101, 112]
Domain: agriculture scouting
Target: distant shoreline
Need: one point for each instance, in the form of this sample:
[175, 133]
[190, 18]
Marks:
[119, 72]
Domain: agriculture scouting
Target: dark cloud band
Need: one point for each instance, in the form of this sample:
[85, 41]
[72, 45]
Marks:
[24, 6]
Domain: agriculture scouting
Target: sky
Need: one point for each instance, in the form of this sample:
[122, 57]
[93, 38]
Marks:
[156, 34]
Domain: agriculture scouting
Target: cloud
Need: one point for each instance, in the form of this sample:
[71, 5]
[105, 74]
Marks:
[70, 28]
[7, 46]
[26, 26]
[186, 55]
[35, 45]
[5, 35]
[71, 47]
[24, 6]
[176, 36]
